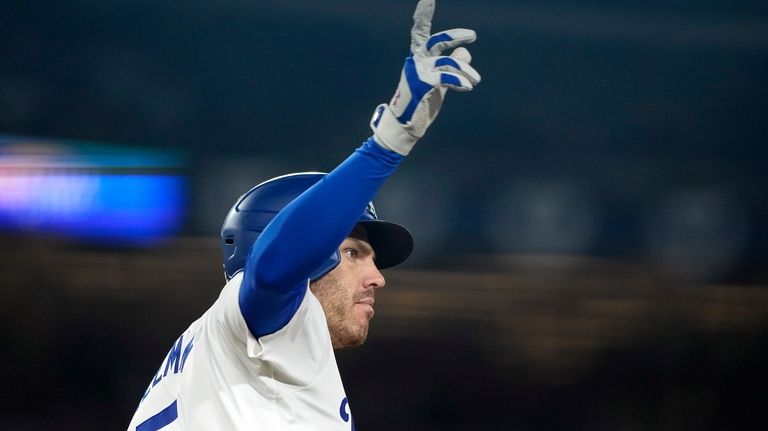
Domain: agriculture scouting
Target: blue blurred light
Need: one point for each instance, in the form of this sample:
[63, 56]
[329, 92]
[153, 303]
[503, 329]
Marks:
[107, 194]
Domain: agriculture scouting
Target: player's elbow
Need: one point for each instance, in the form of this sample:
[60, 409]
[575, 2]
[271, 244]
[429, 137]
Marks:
[269, 280]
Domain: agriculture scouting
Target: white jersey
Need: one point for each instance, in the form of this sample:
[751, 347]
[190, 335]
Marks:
[218, 376]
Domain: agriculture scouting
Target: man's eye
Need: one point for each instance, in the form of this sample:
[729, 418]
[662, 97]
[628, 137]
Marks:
[351, 252]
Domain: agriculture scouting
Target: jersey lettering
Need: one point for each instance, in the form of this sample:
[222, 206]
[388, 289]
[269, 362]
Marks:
[175, 357]
[344, 412]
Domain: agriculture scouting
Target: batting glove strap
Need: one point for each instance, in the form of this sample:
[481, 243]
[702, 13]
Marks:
[389, 133]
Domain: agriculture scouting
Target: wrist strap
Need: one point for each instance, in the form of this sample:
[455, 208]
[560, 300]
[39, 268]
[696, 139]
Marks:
[390, 133]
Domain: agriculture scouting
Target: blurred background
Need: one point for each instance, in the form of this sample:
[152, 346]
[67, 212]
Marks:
[590, 222]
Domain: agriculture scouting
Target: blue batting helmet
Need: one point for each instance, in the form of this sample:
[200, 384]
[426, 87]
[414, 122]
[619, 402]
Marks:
[256, 208]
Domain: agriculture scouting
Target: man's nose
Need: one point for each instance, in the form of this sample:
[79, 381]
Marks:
[375, 279]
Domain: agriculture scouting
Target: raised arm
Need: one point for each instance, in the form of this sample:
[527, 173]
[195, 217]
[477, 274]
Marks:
[311, 227]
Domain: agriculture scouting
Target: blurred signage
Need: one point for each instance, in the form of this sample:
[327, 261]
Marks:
[113, 195]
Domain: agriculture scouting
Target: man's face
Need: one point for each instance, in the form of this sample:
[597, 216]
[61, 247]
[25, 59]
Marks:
[346, 293]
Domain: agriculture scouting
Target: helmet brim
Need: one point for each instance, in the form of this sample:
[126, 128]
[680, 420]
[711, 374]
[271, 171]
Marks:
[391, 242]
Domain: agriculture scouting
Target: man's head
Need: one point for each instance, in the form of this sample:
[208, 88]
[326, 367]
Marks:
[343, 285]
[347, 292]
[256, 208]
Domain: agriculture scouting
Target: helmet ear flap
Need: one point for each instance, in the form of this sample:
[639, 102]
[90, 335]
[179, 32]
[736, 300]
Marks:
[228, 250]
[235, 245]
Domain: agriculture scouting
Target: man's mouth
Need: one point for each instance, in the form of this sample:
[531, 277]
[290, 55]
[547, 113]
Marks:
[366, 303]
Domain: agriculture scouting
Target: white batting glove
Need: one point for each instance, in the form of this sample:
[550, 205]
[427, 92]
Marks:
[425, 78]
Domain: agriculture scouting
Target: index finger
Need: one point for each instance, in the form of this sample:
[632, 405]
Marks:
[422, 24]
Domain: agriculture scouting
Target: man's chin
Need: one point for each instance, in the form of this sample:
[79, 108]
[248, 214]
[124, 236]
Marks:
[353, 339]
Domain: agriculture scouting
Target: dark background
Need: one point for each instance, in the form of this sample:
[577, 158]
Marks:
[590, 220]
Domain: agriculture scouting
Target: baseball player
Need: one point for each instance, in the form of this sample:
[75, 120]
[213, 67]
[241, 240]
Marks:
[302, 255]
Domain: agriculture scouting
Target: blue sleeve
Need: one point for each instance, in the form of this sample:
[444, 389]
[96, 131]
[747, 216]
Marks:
[305, 233]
